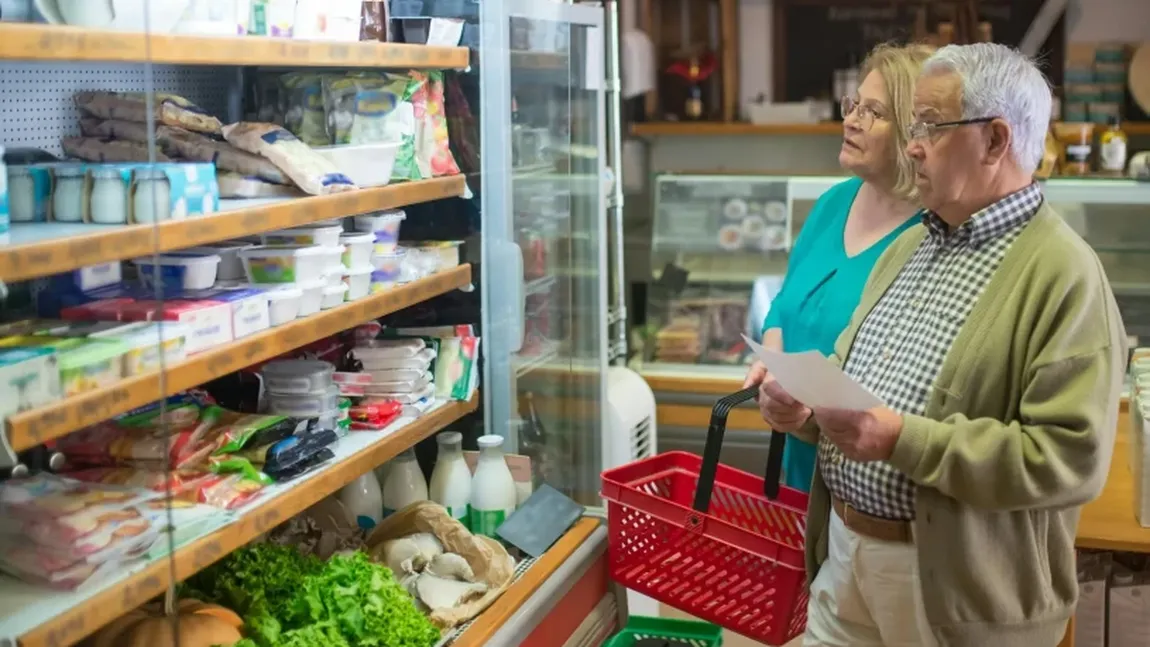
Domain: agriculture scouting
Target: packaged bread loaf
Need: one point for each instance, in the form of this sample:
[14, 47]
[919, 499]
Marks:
[167, 109]
[308, 169]
[91, 149]
[186, 145]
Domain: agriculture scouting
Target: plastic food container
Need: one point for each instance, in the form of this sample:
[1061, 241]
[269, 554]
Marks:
[145, 343]
[283, 304]
[388, 266]
[332, 296]
[324, 236]
[385, 226]
[311, 299]
[297, 377]
[333, 276]
[93, 365]
[231, 267]
[366, 164]
[298, 405]
[356, 250]
[308, 299]
[358, 282]
[179, 270]
[286, 263]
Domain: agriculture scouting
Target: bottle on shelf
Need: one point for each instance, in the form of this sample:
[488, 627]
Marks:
[493, 494]
[405, 483]
[1112, 149]
[451, 479]
[363, 500]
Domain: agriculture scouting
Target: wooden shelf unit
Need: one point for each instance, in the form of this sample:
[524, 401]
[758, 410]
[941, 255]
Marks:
[37, 42]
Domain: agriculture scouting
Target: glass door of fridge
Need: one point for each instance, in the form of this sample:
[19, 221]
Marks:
[544, 236]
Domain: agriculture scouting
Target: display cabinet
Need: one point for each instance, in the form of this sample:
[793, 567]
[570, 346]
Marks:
[544, 236]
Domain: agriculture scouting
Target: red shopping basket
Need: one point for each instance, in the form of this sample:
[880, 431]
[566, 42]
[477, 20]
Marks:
[712, 541]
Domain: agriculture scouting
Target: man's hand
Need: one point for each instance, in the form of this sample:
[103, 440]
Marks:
[781, 411]
[756, 375]
[863, 436]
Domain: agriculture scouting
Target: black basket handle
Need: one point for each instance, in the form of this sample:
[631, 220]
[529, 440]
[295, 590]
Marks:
[714, 446]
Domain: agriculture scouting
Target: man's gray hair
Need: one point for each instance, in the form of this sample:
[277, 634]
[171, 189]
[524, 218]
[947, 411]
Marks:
[1001, 82]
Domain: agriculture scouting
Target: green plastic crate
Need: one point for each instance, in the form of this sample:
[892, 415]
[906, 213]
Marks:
[696, 634]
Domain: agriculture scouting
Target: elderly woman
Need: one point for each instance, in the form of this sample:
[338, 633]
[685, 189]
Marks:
[850, 225]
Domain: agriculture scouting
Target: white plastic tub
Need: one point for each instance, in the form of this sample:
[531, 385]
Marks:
[366, 164]
[358, 282]
[333, 296]
[356, 249]
[310, 296]
[179, 270]
[231, 267]
[324, 236]
[285, 263]
[284, 304]
[388, 267]
[384, 226]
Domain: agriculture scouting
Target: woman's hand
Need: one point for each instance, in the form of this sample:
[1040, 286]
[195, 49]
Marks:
[756, 375]
[781, 411]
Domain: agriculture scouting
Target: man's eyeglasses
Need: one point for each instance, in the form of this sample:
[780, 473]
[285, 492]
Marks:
[921, 130]
[866, 114]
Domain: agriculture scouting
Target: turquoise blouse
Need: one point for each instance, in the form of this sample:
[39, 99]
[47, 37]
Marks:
[820, 292]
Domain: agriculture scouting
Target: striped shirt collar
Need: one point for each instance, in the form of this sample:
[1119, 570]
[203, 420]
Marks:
[990, 223]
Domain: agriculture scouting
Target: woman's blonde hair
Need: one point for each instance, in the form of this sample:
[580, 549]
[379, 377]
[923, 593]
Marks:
[900, 66]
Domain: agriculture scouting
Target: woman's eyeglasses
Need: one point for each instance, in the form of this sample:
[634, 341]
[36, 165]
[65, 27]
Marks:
[921, 130]
[866, 114]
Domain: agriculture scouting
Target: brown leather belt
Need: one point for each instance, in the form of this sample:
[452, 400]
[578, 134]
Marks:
[872, 526]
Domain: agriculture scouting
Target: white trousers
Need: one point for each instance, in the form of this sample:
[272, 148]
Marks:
[867, 594]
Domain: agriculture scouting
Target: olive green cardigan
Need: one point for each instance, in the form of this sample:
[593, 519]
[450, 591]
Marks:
[1017, 436]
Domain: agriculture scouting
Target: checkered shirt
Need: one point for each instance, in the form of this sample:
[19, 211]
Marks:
[901, 345]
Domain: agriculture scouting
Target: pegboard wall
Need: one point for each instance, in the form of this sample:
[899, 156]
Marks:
[36, 107]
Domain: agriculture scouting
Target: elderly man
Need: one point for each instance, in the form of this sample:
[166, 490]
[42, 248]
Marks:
[948, 516]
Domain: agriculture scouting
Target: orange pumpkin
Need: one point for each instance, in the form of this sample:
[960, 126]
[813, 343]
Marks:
[200, 625]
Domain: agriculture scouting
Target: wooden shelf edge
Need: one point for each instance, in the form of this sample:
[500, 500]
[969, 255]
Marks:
[38, 42]
[733, 128]
[491, 620]
[75, 624]
[53, 256]
[31, 428]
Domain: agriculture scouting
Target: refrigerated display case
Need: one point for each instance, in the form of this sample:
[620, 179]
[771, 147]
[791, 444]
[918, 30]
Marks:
[544, 278]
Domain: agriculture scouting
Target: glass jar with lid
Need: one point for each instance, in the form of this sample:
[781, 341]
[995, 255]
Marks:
[109, 203]
[21, 194]
[68, 194]
[152, 196]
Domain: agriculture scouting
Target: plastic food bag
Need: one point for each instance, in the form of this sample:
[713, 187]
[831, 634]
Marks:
[308, 169]
[301, 97]
[91, 149]
[167, 109]
[54, 511]
[433, 155]
[184, 144]
[367, 109]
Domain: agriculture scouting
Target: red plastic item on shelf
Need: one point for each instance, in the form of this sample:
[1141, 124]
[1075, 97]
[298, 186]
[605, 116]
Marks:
[739, 564]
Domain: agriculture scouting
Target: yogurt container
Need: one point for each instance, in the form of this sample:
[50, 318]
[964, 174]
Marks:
[284, 304]
[179, 270]
[231, 267]
[286, 263]
[388, 267]
[332, 296]
[146, 343]
[357, 249]
[322, 235]
[358, 282]
[384, 225]
[297, 377]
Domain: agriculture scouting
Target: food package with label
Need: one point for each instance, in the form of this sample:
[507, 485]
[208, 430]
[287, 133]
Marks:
[209, 323]
[29, 378]
[167, 109]
[308, 169]
[138, 438]
[432, 155]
